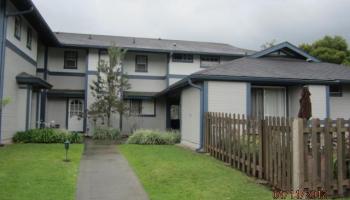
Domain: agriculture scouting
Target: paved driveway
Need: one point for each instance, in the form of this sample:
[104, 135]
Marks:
[106, 175]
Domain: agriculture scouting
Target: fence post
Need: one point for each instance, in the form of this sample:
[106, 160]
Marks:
[298, 154]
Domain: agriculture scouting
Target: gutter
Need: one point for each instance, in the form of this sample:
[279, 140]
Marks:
[200, 88]
[31, 9]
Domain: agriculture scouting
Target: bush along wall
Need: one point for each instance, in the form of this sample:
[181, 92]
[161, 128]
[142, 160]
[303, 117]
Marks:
[105, 133]
[143, 136]
[47, 135]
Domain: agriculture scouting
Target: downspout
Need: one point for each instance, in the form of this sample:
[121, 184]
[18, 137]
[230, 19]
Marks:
[200, 88]
[3, 27]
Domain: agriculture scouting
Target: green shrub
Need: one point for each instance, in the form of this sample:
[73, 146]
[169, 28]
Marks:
[143, 136]
[47, 135]
[104, 133]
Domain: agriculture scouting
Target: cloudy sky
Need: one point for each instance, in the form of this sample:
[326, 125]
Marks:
[243, 23]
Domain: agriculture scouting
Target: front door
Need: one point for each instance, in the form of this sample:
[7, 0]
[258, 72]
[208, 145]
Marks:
[75, 115]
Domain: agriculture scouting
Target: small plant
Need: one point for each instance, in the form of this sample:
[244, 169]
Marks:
[144, 136]
[104, 133]
[47, 135]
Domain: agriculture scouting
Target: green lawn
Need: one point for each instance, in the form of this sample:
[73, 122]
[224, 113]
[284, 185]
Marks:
[171, 172]
[37, 172]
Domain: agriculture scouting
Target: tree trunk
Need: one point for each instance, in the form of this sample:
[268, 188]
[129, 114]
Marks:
[108, 120]
[120, 122]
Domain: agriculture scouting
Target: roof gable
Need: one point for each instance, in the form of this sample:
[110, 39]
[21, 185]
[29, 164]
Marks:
[288, 49]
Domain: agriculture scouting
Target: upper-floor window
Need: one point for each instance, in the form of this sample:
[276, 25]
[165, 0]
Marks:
[103, 56]
[141, 63]
[70, 60]
[29, 38]
[18, 27]
[188, 58]
[336, 91]
[207, 61]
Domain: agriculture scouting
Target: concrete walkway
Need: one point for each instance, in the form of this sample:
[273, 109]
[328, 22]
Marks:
[106, 175]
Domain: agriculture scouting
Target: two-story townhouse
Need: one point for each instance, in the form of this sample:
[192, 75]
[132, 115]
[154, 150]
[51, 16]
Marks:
[151, 65]
[47, 75]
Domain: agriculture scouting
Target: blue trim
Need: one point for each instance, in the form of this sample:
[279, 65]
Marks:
[19, 52]
[44, 92]
[3, 26]
[28, 108]
[146, 77]
[204, 109]
[86, 91]
[327, 102]
[90, 72]
[205, 97]
[176, 76]
[168, 69]
[51, 73]
[281, 46]
[201, 118]
[67, 110]
[249, 99]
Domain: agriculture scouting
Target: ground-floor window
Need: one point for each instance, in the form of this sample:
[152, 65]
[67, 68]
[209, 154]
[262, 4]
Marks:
[142, 107]
[269, 101]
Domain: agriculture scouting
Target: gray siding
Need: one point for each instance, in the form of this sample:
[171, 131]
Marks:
[56, 111]
[340, 106]
[190, 117]
[67, 82]
[14, 114]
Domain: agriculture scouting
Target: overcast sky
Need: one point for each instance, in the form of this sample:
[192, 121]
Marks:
[243, 23]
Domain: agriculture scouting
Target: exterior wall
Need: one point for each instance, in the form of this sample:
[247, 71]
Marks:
[22, 43]
[157, 122]
[294, 94]
[157, 64]
[67, 82]
[318, 101]
[14, 114]
[182, 68]
[340, 106]
[56, 111]
[145, 85]
[56, 60]
[231, 97]
[190, 117]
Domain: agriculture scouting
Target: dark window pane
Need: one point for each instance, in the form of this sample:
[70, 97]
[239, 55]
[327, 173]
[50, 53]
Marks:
[29, 38]
[182, 58]
[70, 59]
[336, 90]
[18, 26]
[141, 63]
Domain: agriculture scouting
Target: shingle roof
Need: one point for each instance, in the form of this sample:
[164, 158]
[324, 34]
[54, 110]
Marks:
[149, 44]
[278, 68]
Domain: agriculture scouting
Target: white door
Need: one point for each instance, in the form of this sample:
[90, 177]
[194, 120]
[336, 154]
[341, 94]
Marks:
[75, 115]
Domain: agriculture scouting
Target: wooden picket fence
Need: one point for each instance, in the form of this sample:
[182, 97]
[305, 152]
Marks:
[263, 148]
[325, 158]
[259, 148]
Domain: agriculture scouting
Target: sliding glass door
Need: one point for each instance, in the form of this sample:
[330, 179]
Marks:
[268, 102]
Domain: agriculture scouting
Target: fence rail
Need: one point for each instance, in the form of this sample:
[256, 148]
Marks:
[263, 148]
